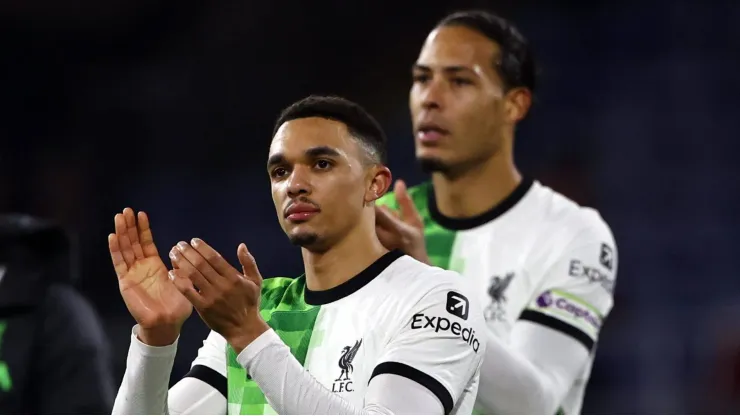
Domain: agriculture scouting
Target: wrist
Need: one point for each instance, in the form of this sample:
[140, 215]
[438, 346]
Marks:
[247, 334]
[421, 255]
[424, 258]
[158, 336]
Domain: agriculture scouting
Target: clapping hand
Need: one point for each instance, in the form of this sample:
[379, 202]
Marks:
[226, 299]
[404, 229]
[153, 301]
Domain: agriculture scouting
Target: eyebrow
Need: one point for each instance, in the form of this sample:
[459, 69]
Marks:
[276, 159]
[314, 152]
[448, 69]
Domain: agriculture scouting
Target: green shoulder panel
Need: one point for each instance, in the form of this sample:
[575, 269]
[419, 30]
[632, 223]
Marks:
[439, 240]
[286, 312]
[418, 194]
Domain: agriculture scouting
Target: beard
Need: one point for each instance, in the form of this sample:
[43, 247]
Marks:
[310, 241]
[304, 239]
[433, 165]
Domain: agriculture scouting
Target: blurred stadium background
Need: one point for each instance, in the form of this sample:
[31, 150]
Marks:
[167, 106]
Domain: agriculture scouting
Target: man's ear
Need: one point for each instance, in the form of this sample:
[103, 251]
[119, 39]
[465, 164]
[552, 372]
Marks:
[379, 181]
[517, 104]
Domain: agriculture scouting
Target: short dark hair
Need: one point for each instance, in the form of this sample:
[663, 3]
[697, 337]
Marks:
[516, 65]
[360, 124]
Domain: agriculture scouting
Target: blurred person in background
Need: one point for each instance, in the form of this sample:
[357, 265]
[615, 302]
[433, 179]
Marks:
[364, 331]
[54, 356]
[544, 266]
[720, 378]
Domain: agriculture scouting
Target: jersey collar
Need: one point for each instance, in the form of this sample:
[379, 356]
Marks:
[321, 297]
[496, 211]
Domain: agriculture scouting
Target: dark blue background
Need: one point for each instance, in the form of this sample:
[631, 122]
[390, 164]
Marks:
[167, 106]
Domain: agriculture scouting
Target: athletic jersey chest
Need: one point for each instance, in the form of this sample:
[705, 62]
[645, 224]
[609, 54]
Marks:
[346, 344]
[536, 257]
[502, 253]
[340, 342]
[495, 258]
[501, 258]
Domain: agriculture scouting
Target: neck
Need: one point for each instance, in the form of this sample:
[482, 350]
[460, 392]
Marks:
[479, 188]
[347, 258]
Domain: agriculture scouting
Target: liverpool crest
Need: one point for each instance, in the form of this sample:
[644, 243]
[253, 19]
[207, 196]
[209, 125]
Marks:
[496, 310]
[343, 383]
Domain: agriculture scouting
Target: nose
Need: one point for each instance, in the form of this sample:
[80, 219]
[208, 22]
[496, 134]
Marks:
[299, 183]
[432, 94]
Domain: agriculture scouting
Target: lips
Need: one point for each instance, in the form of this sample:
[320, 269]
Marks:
[430, 133]
[301, 211]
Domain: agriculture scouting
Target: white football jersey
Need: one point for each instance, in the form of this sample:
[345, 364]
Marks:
[537, 256]
[399, 316]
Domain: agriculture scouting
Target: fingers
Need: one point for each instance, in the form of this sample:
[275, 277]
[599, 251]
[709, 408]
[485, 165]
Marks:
[215, 259]
[119, 264]
[387, 238]
[133, 233]
[123, 241]
[185, 268]
[385, 219]
[185, 286]
[199, 262]
[146, 239]
[409, 213]
[249, 265]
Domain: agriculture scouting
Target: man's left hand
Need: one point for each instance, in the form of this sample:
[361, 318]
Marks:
[227, 300]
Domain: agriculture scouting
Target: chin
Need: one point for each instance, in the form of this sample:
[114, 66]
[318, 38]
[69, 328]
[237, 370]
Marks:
[305, 239]
[432, 164]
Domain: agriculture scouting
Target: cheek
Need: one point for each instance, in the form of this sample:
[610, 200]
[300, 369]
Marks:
[480, 117]
[413, 107]
[278, 199]
[417, 97]
[413, 95]
[346, 189]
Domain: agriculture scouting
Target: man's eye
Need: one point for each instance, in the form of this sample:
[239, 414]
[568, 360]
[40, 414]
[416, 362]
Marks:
[461, 81]
[323, 164]
[420, 78]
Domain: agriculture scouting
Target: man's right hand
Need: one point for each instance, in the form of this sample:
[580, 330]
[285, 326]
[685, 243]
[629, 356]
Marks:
[404, 229]
[152, 299]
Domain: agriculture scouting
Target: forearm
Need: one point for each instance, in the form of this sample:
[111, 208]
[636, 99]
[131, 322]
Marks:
[146, 380]
[533, 380]
[288, 387]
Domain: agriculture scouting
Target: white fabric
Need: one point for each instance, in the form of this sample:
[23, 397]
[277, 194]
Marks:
[291, 389]
[400, 316]
[388, 320]
[549, 260]
[191, 396]
[145, 382]
[440, 344]
[533, 373]
[212, 353]
[144, 386]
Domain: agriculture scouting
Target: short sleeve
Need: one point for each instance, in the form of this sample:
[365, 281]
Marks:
[576, 293]
[210, 364]
[440, 345]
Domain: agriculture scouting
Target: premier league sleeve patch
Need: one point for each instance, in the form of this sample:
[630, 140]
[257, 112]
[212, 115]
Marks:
[566, 313]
